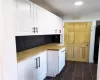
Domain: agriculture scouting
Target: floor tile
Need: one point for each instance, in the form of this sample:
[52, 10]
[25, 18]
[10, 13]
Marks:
[71, 66]
[59, 76]
[94, 69]
[68, 76]
[76, 71]
[93, 77]
[86, 70]
[88, 77]
[77, 78]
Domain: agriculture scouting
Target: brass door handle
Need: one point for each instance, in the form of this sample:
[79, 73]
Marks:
[87, 45]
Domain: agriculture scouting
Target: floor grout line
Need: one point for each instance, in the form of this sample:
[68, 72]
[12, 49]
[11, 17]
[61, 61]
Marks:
[91, 71]
[82, 71]
[74, 72]
[64, 72]
[75, 68]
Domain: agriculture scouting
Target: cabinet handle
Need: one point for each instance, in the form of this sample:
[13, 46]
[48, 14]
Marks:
[33, 29]
[59, 31]
[36, 29]
[36, 63]
[39, 61]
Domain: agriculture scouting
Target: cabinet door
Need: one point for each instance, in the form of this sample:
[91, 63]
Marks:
[46, 21]
[42, 66]
[60, 25]
[29, 70]
[41, 20]
[26, 70]
[61, 59]
[34, 11]
[24, 17]
[21, 70]
[53, 23]
[49, 22]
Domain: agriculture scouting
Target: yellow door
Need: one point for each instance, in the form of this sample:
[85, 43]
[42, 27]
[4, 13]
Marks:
[77, 40]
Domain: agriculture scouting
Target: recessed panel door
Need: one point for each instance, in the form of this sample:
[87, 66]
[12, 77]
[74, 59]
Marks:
[77, 40]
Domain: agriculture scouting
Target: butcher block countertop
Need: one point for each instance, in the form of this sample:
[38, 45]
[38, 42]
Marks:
[23, 55]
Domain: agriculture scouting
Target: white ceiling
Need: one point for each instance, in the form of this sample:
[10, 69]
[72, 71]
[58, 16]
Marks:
[67, 7]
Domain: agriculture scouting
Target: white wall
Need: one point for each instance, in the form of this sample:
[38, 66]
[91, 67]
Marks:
[8, 61]
[87, 18]
[0, 39]
[90, 16]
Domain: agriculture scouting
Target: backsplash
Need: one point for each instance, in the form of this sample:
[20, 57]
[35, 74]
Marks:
[27, 42]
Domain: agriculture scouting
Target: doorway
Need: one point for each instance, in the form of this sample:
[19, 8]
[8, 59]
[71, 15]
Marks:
[96, 46]
[77, 40]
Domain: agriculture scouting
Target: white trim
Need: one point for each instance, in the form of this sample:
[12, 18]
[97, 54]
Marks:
[98, 67]
[92, 38]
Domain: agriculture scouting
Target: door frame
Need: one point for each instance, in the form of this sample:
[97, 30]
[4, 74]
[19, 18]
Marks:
[92, 37]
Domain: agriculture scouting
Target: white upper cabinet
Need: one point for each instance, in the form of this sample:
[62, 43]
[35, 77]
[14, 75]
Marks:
[40, 20]
[60, 25]
[35, 20]
[50, 23]
[57, 24]
[24, 18]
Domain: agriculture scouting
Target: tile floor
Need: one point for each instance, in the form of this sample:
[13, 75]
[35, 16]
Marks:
[77, 71]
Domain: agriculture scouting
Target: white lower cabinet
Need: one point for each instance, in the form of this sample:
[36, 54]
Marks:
[26, 70]
[61, 59]
[41, 66]
[55, 62]
[34, 68]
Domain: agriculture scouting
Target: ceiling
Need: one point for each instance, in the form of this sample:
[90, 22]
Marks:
[67, 7]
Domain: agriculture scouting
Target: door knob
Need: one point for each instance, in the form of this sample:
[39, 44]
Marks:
[87, 45]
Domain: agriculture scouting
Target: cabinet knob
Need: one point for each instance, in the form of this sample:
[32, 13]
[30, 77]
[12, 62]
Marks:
[59, 31]
[36, 29]
[33, 29]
